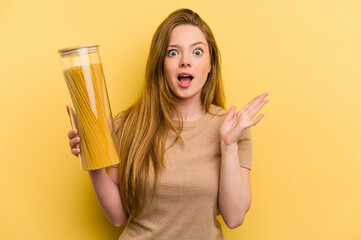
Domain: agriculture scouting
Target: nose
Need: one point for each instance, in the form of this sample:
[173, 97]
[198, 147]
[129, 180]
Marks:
[185, 61]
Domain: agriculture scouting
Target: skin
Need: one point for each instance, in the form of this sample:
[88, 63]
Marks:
[234, 196]
[234, 186]
[187, 52]
[184, 56]
[235, 123]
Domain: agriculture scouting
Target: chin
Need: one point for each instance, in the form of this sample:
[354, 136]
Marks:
[184, 97]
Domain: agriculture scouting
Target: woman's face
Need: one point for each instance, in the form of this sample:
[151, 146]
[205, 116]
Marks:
[187, 62]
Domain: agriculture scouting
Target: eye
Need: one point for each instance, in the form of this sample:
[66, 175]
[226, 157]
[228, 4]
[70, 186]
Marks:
[172, 52]
[198, 51]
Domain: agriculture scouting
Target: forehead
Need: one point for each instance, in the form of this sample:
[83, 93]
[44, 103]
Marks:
[186, 35]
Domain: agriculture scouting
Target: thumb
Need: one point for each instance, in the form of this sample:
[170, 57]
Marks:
[231, 112]
[68, 110]
[110, 125]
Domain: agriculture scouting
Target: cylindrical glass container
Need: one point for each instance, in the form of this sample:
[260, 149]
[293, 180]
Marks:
[89, 106]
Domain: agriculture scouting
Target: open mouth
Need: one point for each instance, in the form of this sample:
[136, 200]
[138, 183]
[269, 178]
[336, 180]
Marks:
[185, 78]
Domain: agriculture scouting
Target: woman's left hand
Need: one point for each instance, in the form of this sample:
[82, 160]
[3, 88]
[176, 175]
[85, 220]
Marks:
[235, 123]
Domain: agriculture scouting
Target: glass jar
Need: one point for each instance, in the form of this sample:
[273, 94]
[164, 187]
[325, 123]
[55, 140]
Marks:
[89, 106]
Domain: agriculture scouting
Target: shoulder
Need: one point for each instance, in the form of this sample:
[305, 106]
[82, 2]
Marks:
[215, 117]
[217, 111]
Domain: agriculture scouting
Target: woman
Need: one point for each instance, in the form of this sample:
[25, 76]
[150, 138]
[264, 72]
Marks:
[183, 158]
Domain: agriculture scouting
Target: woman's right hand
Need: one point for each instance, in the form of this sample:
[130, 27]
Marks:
[74, 140]
[73, 136]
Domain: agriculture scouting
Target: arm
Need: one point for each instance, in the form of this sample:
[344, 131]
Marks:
[234, 188]
[107, 191]
[106, 187]
[234, 197]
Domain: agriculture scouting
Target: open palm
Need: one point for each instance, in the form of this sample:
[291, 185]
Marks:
[235, 123]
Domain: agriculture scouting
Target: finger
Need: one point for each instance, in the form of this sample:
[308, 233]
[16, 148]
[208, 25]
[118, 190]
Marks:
[75, 151]
[68, 110]
[72, 133]
[256, 109]
[238, 116]
[73, 142]
[231, 112]
[254, 102]
[255, 121]
[110, 125]
[257, 100]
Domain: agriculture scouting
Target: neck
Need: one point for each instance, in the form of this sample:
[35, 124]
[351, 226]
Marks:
[190, 109]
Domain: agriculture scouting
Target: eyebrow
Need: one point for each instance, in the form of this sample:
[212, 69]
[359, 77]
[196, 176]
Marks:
[193, 44]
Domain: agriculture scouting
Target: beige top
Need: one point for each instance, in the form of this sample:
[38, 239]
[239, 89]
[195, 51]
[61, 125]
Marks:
[186, 204]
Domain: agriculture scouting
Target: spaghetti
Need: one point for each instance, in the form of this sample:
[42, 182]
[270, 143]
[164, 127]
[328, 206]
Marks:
[87, 91]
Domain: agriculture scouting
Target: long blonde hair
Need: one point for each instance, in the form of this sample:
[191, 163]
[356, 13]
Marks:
[144, 126]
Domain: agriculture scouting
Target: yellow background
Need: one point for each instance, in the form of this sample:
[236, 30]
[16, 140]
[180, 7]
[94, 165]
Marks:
[306, 172]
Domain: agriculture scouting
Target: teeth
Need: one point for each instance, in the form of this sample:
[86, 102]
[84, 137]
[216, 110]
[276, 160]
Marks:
[185, 76]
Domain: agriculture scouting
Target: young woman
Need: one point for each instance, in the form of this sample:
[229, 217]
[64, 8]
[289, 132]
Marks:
[183, 158]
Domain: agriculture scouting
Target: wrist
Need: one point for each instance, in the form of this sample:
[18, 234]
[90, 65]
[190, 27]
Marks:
[228, 147]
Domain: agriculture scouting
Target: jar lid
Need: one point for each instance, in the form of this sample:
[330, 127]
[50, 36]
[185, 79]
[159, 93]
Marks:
[78, 49]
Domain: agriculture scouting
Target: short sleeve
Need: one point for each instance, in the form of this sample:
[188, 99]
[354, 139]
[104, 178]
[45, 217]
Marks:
[245, 150]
